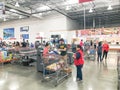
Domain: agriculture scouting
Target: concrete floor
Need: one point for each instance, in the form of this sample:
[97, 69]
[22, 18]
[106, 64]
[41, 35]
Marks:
[96, 76]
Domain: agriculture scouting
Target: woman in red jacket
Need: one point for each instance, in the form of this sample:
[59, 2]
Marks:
[105, 48]
[79, 61]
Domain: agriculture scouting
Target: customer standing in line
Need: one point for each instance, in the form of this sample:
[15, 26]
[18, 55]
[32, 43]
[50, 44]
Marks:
[81, 43]
[99, 52]
[27, 43]
[79, 61]
[105, 48]
[23, 43]
[73, 45]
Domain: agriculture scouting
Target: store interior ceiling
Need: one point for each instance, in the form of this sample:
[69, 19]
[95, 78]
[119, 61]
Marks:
[102, 11]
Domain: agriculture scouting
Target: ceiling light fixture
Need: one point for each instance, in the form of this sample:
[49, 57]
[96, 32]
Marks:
[40, 14]
[12, 10]
[109, 7]
[68, 7]
[17, 4]
[43, 8]
[91, 10]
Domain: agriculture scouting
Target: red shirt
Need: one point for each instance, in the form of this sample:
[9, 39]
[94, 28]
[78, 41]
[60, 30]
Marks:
[79, 61]
[105, 47]
[45, 51]
[81, 43]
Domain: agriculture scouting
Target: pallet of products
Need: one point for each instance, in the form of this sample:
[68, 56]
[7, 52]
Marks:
[5, 57]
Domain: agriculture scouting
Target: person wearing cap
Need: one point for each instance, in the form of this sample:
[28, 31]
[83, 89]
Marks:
[63, 51]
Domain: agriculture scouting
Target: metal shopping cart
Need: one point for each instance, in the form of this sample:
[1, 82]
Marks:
[91, 54]
[54, 69]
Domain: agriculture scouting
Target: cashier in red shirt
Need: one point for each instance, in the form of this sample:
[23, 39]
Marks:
[46, 49]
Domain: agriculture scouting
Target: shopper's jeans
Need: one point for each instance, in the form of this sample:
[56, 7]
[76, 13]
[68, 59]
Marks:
[99, 57]
[79, 72]
[105, 54]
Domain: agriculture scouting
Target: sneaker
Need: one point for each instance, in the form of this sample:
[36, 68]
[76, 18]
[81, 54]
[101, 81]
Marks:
[78, 79]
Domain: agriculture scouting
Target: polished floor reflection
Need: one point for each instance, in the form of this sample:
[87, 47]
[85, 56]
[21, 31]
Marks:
[96, 76]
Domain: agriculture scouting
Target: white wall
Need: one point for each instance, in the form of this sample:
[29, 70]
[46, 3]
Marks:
[53, 22]
[72, 24]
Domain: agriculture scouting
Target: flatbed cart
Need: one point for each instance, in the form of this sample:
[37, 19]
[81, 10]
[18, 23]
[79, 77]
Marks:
[54, 69]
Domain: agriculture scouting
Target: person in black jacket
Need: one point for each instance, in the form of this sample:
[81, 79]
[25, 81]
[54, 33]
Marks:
[99, 52]
[23, 43]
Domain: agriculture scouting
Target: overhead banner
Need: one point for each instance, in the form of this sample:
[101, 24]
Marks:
[2, 8]
[114, 31]
[82, 1]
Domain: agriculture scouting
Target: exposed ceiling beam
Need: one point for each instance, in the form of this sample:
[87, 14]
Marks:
[17, 9]
[42, 11]
[80, 14]
[98, 14]
[57, 9]
[17, 12]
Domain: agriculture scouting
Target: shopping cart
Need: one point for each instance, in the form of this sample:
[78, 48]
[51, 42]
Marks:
[91, 54]
[54, 69]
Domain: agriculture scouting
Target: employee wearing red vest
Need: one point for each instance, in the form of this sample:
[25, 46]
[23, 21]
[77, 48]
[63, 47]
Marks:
[105, 48]
[79, 61]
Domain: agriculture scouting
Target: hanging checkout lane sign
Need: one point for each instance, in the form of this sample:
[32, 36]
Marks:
[82, 1]
[2, 8]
